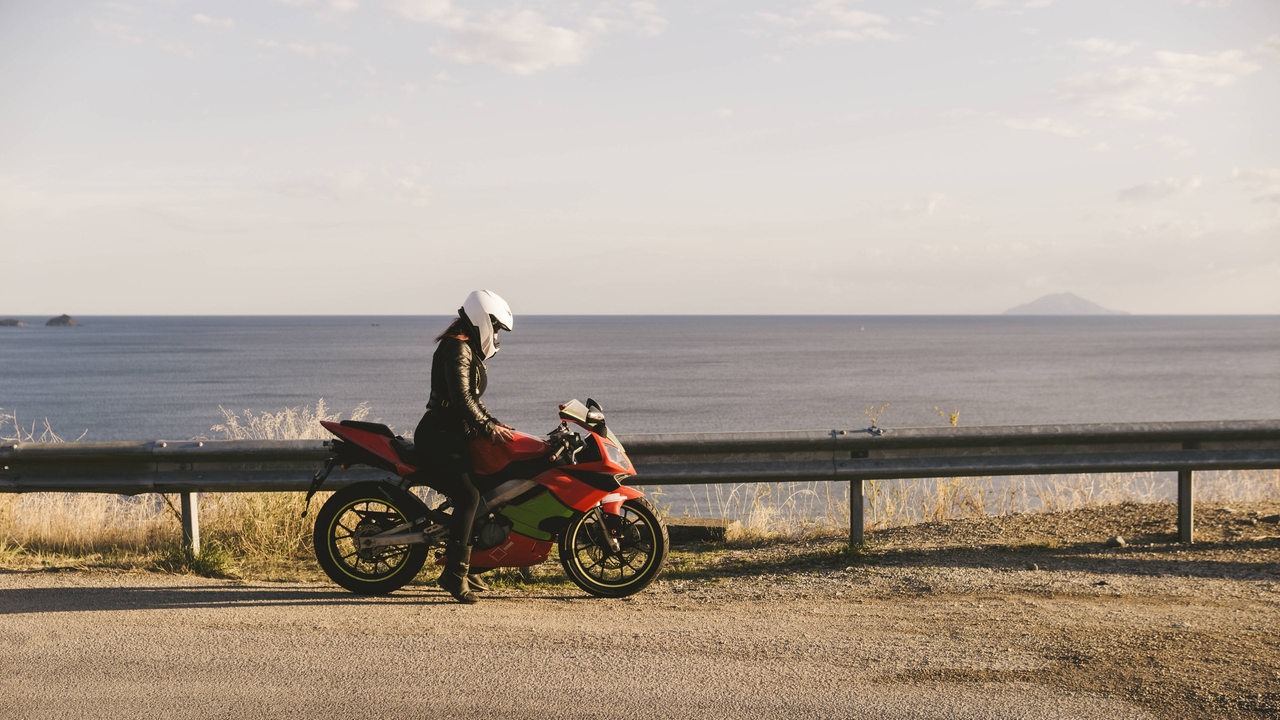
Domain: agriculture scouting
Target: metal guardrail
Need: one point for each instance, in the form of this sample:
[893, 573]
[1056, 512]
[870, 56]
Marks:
[191, 467]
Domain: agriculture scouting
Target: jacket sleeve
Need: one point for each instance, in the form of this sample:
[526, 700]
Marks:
[462, 395]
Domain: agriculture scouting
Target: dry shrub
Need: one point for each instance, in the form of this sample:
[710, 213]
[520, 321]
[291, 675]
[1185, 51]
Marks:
[786, 510]
[258, 526]
[253, 526]
[291, 423]
[85, 523]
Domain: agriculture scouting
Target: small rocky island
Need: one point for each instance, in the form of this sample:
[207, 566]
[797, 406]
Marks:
[62, 321]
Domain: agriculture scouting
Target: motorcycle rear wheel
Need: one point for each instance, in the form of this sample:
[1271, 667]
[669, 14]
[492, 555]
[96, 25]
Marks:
[368, 508]
[592, 564]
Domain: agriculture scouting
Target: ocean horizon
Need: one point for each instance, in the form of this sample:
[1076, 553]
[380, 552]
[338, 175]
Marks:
[166, 376]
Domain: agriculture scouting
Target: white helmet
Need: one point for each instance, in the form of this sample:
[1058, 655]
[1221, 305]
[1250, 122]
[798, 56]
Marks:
[488, 313]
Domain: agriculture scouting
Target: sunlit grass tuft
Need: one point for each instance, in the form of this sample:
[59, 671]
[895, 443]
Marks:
[12, 430]
[291, 423]
[259, 533]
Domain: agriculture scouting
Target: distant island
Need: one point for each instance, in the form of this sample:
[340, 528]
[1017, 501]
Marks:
[1062, 304]
[60, 321]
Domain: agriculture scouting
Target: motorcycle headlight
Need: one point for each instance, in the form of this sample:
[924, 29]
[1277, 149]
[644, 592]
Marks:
[617, 456]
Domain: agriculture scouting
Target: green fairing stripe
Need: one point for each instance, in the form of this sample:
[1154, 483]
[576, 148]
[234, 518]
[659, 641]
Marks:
[527, 516]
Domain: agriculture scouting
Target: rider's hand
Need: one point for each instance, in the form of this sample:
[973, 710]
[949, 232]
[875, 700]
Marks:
[502, 433]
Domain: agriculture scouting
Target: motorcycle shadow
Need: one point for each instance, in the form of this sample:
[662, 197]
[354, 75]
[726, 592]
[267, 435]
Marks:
[19, 601]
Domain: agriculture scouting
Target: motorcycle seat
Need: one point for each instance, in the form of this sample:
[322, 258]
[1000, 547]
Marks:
[404, 450]
[376, 428]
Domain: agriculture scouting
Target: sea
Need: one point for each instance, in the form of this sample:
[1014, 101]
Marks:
[177, 378]
[149, 378]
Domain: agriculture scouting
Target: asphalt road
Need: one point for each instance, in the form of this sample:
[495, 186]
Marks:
[100, 645]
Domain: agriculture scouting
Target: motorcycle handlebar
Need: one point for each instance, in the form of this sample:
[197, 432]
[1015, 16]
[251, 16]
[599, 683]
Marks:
[564, 441]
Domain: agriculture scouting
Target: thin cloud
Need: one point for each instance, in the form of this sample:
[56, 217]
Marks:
[1014, 7]
[116, 30]
[1171, 144]
[1102, 46]
[1045, 125]
[1271, 45]
[927, 16]
[523, 41]
[926, 206]
[827, 21]
[520, 42]
[177, 48]
[306, 50]
[648, 18]
[212, 22]
[1151, 91]
[1262, 183]
[427, 11]
[336, 6]
[1158, 190]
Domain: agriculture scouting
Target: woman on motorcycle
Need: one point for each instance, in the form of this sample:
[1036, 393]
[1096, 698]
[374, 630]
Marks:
[454, 415]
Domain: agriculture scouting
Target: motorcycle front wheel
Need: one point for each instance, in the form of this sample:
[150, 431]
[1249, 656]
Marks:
[591, 562]
[359, 510]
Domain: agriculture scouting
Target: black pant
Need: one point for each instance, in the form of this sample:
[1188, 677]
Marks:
[444, 453]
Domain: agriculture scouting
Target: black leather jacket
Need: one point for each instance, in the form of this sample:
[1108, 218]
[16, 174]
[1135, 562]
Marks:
[458, 379]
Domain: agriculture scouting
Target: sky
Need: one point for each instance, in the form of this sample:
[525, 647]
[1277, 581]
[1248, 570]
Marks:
[616, 157]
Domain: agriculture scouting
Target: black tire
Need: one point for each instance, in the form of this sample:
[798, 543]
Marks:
[366, 508]
[594, 566]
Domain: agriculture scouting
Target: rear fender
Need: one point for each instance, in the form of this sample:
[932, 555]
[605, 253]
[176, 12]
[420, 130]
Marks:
[358, 446]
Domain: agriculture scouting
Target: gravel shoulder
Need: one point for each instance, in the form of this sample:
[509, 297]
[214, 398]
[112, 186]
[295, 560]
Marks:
[1029, 616]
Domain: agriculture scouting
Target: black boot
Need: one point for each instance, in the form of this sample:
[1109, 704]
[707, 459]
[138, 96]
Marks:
[475, 582]
[457, 561]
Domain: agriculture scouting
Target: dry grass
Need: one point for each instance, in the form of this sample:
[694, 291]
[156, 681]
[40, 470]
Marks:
[293, 423]
[263, 534]
[13, 430]
[760, 511]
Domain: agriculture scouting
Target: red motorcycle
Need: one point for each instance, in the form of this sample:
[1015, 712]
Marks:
[567, 490]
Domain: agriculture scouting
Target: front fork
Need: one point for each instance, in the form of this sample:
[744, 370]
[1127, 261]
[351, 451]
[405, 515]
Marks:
[597, 512]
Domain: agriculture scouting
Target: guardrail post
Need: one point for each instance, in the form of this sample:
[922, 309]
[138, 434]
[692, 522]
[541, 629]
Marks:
[1186, 507]
[191, 523]
[857, 514]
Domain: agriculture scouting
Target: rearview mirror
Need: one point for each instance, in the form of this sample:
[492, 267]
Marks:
[595, 414]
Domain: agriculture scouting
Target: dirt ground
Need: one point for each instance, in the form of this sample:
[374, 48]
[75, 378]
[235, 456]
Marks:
[1029, 616]
[1104, 598]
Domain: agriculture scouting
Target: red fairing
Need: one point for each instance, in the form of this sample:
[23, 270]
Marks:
[517, 551]
[570, 491]
[374, 443]
[612, 503]
[488, 457]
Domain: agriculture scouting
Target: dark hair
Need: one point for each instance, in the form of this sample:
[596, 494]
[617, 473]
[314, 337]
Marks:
[459, 326]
